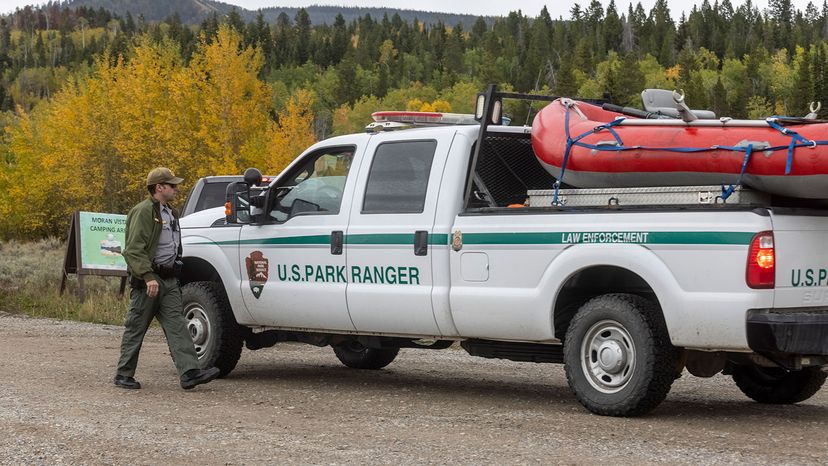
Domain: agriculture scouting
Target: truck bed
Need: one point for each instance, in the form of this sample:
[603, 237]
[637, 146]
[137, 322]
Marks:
[509, 175]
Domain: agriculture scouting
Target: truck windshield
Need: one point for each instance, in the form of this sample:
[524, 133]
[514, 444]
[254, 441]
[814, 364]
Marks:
[316, 185]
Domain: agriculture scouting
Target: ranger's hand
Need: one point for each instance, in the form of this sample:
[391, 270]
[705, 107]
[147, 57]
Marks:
[152, 288]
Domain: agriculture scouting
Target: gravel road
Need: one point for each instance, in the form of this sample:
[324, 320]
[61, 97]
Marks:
[295, 404]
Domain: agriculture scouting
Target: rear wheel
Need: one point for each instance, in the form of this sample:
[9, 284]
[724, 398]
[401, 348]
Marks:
[357, 356]
[216, 335]
[775, 385]
[618, 357]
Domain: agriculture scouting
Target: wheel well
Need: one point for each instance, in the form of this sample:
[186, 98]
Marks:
[591, 282]
[198, 270]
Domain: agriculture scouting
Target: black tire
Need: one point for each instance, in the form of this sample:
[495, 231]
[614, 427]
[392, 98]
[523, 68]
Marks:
[637, 365]
[776, 385]
[216, 335]
[356, 356]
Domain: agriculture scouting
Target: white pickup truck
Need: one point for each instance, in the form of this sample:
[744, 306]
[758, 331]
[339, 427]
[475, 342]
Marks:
[425, 237]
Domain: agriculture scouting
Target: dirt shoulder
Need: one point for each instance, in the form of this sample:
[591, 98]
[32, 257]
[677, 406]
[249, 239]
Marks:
[296, 404]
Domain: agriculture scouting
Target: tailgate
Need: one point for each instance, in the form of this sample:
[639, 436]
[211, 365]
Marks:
[801, 244]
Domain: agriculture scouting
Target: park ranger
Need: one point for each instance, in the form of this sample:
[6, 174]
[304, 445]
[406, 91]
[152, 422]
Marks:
[152, 253]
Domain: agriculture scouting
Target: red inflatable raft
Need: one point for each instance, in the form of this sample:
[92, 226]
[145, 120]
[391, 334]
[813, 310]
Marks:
[588, 147]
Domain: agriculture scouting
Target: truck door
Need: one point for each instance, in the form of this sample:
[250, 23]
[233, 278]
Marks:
[293, 266]
[388, 244]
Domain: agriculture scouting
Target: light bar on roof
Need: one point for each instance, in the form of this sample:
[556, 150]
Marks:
[424, 118]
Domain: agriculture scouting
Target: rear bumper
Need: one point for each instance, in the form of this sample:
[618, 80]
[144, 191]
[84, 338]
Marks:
[788, 332]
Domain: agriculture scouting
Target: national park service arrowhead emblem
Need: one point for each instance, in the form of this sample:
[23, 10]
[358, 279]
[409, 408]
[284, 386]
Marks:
[256, 272]
[457, 240]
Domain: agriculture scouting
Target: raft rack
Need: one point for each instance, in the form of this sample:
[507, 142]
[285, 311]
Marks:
[659, 196]
[503, 173]
[504, 166]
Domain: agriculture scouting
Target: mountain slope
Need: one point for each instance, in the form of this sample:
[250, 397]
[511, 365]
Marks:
[195, 11]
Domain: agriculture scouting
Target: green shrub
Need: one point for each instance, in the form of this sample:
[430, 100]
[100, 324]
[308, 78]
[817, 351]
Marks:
[30, 276]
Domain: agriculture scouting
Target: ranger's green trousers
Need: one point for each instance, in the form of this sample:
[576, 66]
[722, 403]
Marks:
[167, 307]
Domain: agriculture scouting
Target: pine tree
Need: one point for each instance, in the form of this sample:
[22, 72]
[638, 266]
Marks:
[234, 20]
[803, 93]
[820, 76]
[478, 30]
[455, 47]
[282, 41]
[629, 81]
[539, 52]
[340, 40]
[39, 51]
[613, 28]
[718, 99]
[129, 25]
[663, 33]
[781, 12]
[565, 85]
[302, 37]
[209, 27]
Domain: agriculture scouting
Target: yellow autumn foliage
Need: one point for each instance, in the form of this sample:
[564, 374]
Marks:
[438, 105]
[292, 133]
[92, 145]
[672, 73]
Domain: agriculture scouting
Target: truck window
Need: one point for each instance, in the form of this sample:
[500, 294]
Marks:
[398, 178]
[212, 195]
[315, 186]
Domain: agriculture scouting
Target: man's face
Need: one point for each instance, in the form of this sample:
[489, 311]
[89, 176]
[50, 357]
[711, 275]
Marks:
[166, 191]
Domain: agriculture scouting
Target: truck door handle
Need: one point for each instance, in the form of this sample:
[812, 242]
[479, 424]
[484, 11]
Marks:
[420, 243]
[336, 242]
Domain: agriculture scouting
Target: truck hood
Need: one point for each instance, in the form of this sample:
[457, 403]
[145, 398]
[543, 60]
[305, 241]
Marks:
[202, 219]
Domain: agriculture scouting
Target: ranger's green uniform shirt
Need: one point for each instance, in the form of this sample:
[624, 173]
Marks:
[143, 229]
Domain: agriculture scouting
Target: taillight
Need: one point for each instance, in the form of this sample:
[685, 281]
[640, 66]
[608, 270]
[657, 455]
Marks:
[761, 261]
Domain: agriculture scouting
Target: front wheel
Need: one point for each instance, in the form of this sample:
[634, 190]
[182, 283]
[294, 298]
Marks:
[357, 356]
[775, 385]
[618, 357]
[216, 335]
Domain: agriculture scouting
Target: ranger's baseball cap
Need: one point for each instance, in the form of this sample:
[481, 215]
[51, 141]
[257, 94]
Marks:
[162, 175]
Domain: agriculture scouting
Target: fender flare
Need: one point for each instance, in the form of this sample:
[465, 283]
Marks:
[634, 258]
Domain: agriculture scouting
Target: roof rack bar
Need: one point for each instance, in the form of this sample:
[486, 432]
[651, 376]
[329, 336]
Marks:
[488, 107]
[491, 96]
[516, 95]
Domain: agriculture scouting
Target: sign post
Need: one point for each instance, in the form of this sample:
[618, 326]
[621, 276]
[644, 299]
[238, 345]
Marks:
[94, 247]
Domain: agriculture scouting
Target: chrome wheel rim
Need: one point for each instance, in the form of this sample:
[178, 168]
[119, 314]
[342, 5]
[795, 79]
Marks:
[198, 325]
[608, 356]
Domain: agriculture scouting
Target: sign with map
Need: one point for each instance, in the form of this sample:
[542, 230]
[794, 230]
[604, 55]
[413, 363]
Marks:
[95, 247]
[101, 241]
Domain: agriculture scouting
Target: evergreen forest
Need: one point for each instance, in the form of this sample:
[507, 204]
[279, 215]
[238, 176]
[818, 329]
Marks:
[91, 100]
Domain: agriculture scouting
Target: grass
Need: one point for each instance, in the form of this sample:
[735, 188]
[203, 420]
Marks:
[30, 275]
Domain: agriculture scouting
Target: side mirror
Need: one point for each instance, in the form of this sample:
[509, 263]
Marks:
[237, 204]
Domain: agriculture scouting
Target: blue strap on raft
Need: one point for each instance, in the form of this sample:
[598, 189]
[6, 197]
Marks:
[795, 138]
[796, 141]
[570, 142]
[726, 192]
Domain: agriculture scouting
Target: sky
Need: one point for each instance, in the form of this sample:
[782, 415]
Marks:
[557, 8]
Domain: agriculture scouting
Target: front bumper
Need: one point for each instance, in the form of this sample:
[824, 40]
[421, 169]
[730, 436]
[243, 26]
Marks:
[802, 331]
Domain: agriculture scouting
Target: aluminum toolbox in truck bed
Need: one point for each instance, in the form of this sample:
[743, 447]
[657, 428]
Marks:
[669, 195]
